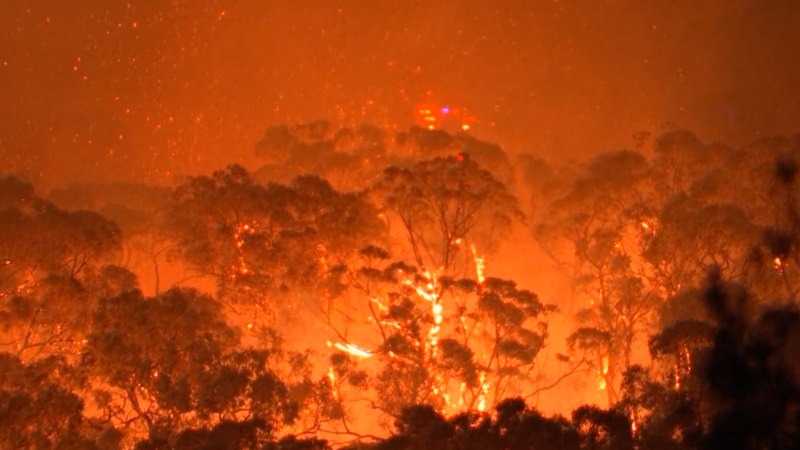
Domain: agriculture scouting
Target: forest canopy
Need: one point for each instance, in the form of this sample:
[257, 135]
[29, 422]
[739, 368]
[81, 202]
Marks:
[384, 297]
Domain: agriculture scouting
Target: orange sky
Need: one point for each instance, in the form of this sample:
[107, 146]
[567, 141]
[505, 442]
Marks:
[144, 90]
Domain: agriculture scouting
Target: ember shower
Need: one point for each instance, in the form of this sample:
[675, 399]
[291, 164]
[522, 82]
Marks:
[359, 224]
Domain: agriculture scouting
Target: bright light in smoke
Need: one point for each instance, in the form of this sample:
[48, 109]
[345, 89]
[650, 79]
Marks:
[353, 349]
[603, 372]
[484, 392]
[480, 265]
[332, 379]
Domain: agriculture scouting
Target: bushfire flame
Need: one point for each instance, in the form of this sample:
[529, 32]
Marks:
[479, 264]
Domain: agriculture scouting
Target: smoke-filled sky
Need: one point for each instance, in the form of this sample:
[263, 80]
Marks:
[146, 90]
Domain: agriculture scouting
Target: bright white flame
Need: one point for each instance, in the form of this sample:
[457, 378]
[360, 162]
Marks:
[437, 313]
[353, 349]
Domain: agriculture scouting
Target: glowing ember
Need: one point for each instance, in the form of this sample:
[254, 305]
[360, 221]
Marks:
[688, 358]
[382, 306]
[683, 365]
[480, 265]
[239, 241]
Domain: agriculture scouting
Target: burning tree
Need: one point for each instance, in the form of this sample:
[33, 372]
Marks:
[443, 204]
[158, 365]
[605, 216]
[439, 331]
[641, 232]
[260, 241]
[50, 259]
